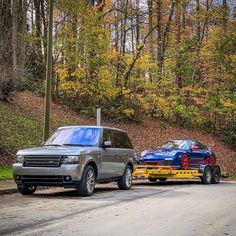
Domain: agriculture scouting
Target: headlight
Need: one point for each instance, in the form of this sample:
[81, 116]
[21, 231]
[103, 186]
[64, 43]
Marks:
[20, 159]
[70, 160]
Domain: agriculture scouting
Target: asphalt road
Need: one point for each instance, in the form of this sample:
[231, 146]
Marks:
[171, 208]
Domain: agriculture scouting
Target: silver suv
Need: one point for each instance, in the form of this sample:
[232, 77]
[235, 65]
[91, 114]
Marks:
[76, 157]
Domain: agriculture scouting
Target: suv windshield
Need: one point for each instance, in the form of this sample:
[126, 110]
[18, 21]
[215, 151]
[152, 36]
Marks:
[79, 136]
[176, 144]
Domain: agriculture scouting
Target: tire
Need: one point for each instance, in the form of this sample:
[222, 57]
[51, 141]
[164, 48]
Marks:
[185, 162]
[26, 190]
[125, 182]
[207, 176]
[87, 184]
[152, 179]
[216, 176]
[162, 179]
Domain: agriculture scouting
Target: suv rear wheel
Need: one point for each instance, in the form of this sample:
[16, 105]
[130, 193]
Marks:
[26, 190]
[125, 182]
[87, 184]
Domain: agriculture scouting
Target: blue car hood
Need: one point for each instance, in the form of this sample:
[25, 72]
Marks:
[160, 154]
[59, 150]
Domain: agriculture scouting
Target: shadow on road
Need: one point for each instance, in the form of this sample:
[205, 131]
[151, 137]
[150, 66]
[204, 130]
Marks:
[111, 188]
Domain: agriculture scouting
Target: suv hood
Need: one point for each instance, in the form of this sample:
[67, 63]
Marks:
[59, 151]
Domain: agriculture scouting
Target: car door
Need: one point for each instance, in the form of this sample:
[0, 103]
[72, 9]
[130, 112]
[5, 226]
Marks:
[108, 159]
[197, 153]
[121, 153]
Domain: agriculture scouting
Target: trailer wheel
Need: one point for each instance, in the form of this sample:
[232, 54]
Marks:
[216, 176]
[207, 176]
[162, 179]
[152, 179]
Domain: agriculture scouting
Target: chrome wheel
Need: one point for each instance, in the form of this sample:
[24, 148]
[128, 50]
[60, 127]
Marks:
[90, 181]
[125, 181]
[208, 176]
[128, 177]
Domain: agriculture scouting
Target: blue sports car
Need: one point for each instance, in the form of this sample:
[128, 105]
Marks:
[179, 154]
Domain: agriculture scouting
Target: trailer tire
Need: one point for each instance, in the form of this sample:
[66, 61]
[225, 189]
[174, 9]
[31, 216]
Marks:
[207, 176]
[162, 179]
[152, 179]
[216, 175]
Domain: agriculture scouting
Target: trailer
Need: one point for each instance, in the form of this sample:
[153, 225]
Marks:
[209, 174]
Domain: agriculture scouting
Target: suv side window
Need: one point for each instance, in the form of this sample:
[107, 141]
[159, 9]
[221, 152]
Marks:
[126, 141]
[118, 142]
[108, 136]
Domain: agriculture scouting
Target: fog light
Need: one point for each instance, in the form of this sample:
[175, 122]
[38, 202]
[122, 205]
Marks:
[67, 178]
[17, 177]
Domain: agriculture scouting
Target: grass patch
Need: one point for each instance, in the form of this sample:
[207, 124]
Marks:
[18, 130]
[5, 173]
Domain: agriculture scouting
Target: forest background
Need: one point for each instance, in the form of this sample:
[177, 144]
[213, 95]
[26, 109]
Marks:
[172, 60]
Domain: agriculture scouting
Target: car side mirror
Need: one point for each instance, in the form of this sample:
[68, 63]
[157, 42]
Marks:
[107, 144]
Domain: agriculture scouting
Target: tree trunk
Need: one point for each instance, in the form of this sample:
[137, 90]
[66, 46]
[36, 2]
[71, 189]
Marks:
[6, 62]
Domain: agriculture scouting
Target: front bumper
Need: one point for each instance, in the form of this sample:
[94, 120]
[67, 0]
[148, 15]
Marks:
[64, 175]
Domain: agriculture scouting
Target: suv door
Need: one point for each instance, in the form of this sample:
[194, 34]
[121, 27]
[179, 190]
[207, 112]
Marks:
[121, 153]
[108, 159]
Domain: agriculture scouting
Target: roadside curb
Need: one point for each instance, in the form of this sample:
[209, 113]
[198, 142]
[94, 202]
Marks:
[10, 190]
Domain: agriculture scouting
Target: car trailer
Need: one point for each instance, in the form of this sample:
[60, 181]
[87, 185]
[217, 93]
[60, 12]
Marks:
[209, 174]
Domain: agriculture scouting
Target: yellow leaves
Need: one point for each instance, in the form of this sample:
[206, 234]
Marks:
[62, 73]
[71, 86]
[128, 112]
[228, 103]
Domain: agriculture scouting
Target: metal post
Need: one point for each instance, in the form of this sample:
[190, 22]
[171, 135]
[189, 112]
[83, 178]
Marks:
[48, 75]
[98, 116]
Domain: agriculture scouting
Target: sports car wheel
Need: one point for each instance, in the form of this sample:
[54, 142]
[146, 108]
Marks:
[185, 162]
[152, 179]
[216, 176]
[207, 176]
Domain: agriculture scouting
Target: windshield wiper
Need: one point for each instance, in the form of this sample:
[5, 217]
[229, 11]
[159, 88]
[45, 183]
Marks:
[72, 144]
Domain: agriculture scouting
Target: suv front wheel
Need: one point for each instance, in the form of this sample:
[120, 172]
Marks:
[26, 190]
[125, 182]
[87, 184]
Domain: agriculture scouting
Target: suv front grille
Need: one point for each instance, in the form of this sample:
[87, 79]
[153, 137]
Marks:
[42, 161]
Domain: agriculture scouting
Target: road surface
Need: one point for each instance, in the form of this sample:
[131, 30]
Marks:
[171, 208]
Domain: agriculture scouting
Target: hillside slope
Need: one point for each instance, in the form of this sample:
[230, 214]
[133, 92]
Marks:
[21, 126]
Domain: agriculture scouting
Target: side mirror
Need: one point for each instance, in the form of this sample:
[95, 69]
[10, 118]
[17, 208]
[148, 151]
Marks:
[107, 144]
[195, 147]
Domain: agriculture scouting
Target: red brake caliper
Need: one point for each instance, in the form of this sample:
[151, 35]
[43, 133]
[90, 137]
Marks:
[185, 162]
